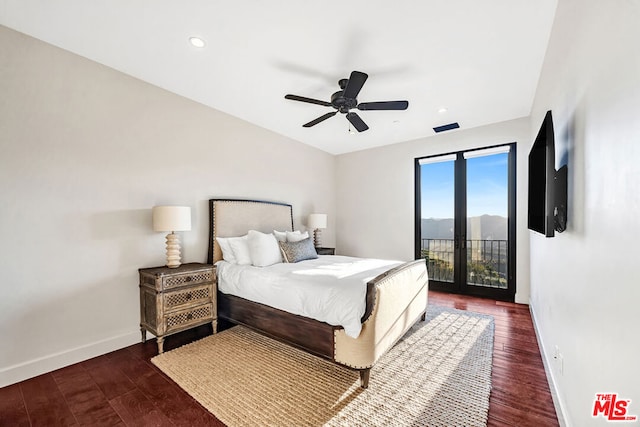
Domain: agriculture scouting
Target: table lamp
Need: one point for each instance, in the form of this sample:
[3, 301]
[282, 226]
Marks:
[172, 218]
[316, 223]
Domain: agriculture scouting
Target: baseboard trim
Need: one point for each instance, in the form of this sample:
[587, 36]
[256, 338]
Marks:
[547, 362]
[32, 368]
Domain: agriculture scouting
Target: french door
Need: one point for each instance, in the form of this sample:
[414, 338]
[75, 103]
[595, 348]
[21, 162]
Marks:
[465, 221]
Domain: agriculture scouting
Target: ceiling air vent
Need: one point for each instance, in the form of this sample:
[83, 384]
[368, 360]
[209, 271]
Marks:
[443, 128]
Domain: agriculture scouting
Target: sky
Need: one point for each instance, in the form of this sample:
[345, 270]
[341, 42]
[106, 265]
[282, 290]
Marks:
[486, 187]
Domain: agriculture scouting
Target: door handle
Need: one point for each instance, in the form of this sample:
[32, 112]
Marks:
[460, 242]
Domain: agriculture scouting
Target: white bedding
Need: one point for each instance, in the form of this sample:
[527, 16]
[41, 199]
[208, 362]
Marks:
[330, 289]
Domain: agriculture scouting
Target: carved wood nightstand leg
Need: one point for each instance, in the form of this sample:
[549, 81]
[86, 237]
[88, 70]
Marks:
[160, 344]
[143, 331]
[214, 325]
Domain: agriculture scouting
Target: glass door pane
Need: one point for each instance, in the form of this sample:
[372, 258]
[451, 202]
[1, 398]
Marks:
[487, 205]
[437, 200]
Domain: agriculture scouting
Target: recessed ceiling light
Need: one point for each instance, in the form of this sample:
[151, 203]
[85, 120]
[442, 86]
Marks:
[197, 42]
[442, 110]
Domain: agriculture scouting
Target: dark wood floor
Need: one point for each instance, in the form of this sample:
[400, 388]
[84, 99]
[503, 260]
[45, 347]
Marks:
[124, 388]
[520, 393]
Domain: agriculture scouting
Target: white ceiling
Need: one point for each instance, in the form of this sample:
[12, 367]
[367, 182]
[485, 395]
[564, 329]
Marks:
[480, 59]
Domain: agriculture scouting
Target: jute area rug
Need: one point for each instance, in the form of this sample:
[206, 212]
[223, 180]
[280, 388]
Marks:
[439, 374]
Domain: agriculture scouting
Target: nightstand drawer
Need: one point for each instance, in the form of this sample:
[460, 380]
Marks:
[326, 251]
[178, 280]
[165, 279]
[186, 318]
[190, 296]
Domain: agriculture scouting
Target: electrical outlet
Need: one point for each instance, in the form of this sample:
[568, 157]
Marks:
[560, 364]
[556, 352]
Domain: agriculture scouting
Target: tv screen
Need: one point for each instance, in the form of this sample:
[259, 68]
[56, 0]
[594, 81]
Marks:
[541, 180]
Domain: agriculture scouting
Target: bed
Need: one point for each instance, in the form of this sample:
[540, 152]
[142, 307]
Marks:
[394, 299]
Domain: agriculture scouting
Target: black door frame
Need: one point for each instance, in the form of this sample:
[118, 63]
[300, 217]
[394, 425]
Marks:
[460, 224]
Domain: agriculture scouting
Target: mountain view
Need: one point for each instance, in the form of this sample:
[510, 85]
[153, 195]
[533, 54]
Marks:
[492, 227]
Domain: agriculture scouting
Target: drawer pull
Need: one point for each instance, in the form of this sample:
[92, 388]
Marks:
[189, 316]
[188, 296]
[187, 279]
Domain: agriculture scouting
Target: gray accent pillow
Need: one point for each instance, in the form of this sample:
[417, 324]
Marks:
[298, 251]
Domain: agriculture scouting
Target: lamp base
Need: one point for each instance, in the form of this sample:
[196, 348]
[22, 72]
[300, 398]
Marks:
[173, 250]
[317, 238]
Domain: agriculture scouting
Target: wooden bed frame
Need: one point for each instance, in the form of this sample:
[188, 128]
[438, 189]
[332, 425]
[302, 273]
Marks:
[395, 299]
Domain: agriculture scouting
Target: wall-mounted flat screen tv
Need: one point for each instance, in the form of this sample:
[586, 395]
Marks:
[541, 180]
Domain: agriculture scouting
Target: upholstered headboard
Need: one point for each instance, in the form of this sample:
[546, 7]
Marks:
[233, 218]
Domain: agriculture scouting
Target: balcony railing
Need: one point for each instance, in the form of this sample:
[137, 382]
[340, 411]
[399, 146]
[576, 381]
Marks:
[486, 261]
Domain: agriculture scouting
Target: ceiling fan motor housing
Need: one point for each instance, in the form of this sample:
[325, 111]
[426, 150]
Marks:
[341, 103]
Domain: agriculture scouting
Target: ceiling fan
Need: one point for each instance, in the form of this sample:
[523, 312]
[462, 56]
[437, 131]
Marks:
[346, 99]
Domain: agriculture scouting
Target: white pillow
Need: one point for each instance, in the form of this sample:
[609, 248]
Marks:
[264, 249]
[281, 236]
[240, 248]
[225, 246]
[296, 236]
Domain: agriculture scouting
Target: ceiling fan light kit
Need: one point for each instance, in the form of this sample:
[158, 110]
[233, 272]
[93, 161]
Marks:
[346, 99]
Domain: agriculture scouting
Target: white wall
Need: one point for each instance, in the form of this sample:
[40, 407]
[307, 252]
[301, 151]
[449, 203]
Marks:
[375, 194]
[85, 153]
[585, 284]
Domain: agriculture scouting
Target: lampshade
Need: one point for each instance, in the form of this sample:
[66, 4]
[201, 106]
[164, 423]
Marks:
[317, 221]
[171, 218]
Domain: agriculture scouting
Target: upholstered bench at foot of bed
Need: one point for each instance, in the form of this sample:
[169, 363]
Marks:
[400, 300]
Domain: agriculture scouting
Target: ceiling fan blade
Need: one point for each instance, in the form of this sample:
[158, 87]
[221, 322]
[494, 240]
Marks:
[320, 119]
[309, 100]
[357, 122]
[384, 105]
[356, 81]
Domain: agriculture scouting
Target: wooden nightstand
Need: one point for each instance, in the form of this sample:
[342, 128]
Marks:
[175, 299]
[326, 251]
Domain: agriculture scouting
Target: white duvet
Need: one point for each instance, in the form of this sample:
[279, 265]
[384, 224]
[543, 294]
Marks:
[330, 289]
